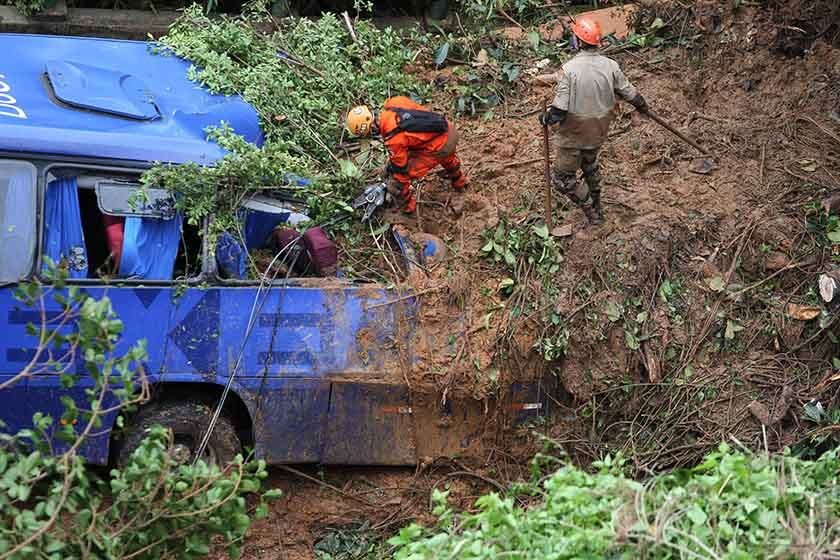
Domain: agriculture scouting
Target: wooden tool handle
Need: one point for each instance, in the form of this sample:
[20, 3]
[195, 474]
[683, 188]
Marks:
[547, 157]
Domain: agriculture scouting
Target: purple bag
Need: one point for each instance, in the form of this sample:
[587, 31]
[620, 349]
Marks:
[323, 252]
[290, 243]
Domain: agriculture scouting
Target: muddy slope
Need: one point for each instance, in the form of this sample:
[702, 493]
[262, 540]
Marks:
[685, 310]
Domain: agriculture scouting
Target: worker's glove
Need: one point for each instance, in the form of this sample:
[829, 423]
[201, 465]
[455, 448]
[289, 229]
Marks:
[552, 116]
[639, 103]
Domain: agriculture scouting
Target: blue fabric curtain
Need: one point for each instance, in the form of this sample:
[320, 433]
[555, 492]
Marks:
[64, 238]
[259, 225]
[150, 247]
[230, 255]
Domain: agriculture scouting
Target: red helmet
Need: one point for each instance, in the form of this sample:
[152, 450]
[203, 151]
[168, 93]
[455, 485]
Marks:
[587, 30]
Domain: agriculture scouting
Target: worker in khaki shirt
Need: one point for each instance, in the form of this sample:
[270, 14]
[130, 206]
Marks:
[581, 113]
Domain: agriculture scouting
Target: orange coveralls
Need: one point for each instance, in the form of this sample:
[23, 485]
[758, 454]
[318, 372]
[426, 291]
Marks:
[414, 154]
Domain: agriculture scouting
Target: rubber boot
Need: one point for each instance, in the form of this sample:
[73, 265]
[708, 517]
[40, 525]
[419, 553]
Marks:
[593, 210]
[456, 199]
[409, 204]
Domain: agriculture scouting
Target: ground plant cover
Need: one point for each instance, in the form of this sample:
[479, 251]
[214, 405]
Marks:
[732, 505]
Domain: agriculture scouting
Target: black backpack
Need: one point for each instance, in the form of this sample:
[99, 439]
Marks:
[417, 120]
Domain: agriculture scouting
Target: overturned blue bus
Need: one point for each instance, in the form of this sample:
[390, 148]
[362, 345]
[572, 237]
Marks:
[80, 119]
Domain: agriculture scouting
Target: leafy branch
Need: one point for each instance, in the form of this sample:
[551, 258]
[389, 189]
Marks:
[301, 78]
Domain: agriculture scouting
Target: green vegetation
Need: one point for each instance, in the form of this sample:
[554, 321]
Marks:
[301, 79]
[532, 258]
[54, 506]
[732, 505]
[503, 9]
[30, 7]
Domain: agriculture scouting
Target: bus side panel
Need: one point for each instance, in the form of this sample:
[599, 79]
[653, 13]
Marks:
[16, 350]
[305, 331]
[289, 416]
[369, 424]
[13, 410]
[145, 315]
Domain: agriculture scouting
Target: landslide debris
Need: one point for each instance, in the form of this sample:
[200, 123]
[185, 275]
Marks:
[669, 327]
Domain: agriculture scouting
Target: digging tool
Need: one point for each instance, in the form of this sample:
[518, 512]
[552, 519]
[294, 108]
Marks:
[660, 121]
[547, 158]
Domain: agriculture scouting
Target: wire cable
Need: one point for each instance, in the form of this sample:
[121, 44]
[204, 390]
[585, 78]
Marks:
[249, 328]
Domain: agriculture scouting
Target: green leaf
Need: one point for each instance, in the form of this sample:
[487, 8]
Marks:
[631, 340]
[348, 169]
[488, 247]
[696, 514]
[834, 236]
[534, 39]
[272, 494]
[731, 329]
[717, 283]
[814, 412]
[767, 518]
[441, 55]
[541, 230]
[507, 283]
[510, 258]
[613, 311]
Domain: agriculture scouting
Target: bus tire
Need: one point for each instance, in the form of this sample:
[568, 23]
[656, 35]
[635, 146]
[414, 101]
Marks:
[188, 421]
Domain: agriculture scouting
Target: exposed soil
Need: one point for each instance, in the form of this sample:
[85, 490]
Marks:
[704, 267]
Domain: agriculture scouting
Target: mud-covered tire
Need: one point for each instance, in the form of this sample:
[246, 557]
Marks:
[188, 421]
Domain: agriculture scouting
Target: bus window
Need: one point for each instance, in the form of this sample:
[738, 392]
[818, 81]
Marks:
[18, 195]
[101, 228]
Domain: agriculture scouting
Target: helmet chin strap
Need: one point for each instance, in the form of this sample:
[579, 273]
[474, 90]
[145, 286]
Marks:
[575, 42]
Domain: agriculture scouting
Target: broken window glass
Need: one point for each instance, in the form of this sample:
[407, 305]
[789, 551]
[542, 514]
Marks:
[17, 220]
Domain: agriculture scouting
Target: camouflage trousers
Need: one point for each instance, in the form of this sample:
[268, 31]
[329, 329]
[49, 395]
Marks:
[567, 161]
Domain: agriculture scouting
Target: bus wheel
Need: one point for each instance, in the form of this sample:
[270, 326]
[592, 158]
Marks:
[188, 421]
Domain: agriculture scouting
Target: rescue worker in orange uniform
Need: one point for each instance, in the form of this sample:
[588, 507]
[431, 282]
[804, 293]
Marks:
[581, 114]
[418, 140]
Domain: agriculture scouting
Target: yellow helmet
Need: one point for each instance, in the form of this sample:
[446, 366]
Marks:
[359, 121]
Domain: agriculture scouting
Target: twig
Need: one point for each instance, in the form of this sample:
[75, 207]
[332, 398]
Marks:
[765, 280]
[523, 162]
[326, 485]
[763, 159]
[814, 336]
[525, 114]
[489, 481]
[510, 19]
[403, 298]
[805, 179]
[350, 26]
[289, 58]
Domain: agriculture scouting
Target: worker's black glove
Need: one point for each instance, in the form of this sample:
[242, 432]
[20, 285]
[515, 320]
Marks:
[552, 116]
[639, 103]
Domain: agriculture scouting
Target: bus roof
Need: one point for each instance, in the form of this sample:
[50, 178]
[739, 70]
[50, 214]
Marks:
[109, 99]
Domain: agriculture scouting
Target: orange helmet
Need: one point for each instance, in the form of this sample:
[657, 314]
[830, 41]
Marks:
[587, 30]
[359, 121]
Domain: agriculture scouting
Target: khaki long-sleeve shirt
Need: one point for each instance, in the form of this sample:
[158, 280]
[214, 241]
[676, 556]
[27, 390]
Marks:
[587, 86]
